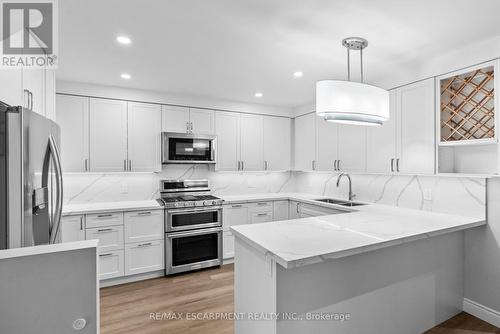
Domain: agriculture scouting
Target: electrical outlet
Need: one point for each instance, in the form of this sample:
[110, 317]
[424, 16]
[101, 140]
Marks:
[428, 194]
[124, 188]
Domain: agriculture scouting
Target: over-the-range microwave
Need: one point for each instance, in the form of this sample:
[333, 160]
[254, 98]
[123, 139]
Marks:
[188, 148]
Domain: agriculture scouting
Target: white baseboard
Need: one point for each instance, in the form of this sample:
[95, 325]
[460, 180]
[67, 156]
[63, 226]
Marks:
[482, 312]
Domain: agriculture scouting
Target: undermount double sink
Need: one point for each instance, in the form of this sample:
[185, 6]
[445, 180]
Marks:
[339, 202]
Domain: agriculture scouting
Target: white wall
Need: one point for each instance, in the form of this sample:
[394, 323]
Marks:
[79, 88]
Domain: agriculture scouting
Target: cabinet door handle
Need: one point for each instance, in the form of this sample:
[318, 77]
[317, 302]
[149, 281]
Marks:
[86, 164]
[187, 126]
[236, 206]
[81, 223]
[31, 98]
[392, 165]
[262, 214]
[130, 165]
[104, 230]
[397, 164]
[242, 165]
[335, 165]
[298, 207]
[313, 164]
[265, 165]
[145, 213]
[105, 215]
[125, 165]
[145, 244]
[338, 165]
[191, 125]
[105, 255]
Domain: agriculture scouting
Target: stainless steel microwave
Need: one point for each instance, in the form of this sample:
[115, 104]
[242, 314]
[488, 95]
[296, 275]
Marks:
[188, 148]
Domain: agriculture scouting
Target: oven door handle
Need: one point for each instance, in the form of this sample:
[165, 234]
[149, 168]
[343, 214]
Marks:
[184, 211]
[192, 233]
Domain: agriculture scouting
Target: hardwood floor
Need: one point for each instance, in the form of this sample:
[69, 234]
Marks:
[127, 308]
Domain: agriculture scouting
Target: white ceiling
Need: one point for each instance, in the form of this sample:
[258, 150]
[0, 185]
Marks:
[232, 48]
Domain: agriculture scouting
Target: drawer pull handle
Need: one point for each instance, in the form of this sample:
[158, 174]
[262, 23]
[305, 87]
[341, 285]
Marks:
[262, 214]
[236, 206]
[105, 216]
[262, 203]
[146, 244]
[144, 213]
[105, 230]
[105, 255]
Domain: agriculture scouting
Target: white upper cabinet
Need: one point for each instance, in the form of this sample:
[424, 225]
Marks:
[34, 82]
[327, 141]
[352, 148]
[381, 142]
[415, 105]
[73, 118]
[144, 128]
[227, 129]
[108, 135]
[174, 119]
[277, 148]
[11, 88]
[251, 149]
[191, 120]
[305, 142]
[201, 121]
[50, 94]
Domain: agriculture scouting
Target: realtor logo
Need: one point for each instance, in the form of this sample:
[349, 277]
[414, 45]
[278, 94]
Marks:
[28, 33]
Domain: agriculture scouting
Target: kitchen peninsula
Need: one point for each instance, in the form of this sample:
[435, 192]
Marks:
[390, 269]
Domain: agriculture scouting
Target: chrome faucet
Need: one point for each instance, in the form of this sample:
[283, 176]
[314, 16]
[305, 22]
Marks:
[351, 195]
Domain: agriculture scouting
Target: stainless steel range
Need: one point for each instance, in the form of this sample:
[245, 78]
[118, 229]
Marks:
[193, 225]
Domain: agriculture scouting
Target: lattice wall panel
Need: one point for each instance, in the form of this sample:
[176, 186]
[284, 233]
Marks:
[467, 106]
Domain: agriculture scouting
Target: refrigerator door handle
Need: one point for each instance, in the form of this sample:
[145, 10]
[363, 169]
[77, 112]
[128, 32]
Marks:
[53, 154]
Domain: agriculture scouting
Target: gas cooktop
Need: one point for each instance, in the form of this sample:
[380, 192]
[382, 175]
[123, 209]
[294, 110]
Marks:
[187, 193]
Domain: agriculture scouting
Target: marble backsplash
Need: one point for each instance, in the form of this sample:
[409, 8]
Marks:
[463, 196]
[446, 194]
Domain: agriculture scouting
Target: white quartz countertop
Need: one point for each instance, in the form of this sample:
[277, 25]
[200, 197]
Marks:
[88, 208]
[297, 242]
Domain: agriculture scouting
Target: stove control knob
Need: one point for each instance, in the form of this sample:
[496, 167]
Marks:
[214, 202]
[176, 205]
[206, 203]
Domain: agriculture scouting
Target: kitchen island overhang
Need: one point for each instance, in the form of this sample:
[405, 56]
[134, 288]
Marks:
[348, 273]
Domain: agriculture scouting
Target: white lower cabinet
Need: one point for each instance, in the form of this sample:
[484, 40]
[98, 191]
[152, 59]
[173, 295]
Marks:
[261, 217]
[234, 214]
[228, 244]
[110, 238]
[141, 257]
[72, 228]
[293, 210]
[143, 226]
[280, 210]
[111, 264]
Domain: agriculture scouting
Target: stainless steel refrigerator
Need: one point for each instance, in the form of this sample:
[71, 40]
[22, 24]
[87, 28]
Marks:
[31, 189]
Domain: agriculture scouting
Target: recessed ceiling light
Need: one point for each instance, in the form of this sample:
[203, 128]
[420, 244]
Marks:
[125, 76]
[123, 40]
[298, 74]
[259, 95]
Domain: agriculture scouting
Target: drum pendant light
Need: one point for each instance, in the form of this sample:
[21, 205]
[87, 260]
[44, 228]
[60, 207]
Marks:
[352, 102]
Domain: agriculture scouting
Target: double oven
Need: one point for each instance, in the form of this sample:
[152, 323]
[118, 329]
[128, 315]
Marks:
[193, 232]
